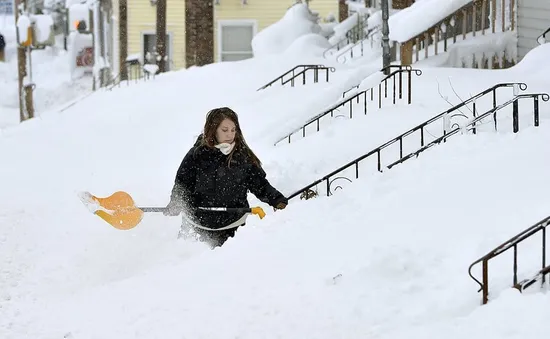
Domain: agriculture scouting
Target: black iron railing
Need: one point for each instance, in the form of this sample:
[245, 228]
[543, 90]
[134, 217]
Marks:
[316, 72]
[387, 70]
[135, 74]
[513, 244]
[471, 126]
[526, 283]
[294, 73]
[357, 33]
[451, 129]
[353, 53]
[541, 39]
[363, 97]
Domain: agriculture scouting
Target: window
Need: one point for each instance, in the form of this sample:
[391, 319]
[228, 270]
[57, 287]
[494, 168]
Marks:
[235, 40]
[6, 7]
[150, 49]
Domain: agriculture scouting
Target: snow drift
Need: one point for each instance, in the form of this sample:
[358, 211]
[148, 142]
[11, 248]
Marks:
[275, 39]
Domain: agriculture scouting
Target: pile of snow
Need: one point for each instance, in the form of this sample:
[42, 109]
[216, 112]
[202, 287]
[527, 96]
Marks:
[297, 22]
[308, 45]
[385, 257]
[342, 28]
[532, 61]
[43, 26]
[475, 49]
[23, 25]
[422, 15]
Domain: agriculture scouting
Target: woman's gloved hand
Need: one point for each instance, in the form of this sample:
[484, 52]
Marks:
[280, 206]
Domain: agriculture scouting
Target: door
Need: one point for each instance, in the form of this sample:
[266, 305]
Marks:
[150, 49]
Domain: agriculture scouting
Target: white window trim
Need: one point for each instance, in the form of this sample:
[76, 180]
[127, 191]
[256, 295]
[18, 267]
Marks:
[170, 47]
[243, 22]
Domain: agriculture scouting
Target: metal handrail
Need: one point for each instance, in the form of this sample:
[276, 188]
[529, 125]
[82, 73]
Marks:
[420, 127]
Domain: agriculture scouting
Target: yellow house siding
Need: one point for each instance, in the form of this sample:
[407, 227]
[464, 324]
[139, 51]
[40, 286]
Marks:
[142, 19]
[325, 7]
[264, 12]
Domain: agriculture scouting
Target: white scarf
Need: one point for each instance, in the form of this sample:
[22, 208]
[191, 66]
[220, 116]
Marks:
[225, 148]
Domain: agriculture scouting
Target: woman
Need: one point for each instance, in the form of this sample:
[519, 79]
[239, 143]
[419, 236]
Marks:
[218, 171]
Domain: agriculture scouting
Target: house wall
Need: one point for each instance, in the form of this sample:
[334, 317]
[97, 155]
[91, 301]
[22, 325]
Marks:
[264, 13]
[533, 19]
[142, 19]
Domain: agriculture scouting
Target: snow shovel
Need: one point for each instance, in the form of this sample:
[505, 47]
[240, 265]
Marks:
[120, 211]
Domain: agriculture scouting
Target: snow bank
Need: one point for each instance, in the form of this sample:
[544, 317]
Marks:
[502, 45]
[532, 62]
[275, 39]
[308, 45]
[371, 81]
[342, 28]
[422, 15]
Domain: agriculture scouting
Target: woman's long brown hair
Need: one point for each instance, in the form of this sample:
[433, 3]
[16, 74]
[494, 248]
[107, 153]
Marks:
[213, 120]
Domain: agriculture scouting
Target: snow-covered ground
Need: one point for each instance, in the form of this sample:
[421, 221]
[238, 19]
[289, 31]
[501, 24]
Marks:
[385, 257]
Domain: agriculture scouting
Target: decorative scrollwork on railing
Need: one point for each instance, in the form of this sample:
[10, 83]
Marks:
[308, 194]
[455, 124]
[330, 190]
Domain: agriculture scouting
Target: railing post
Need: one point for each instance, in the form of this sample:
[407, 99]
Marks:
[515, 115]
[394, 89]
[410, 87]
[536, 110]
[485, 269]
[515, 265]
[365, 102]
[406, 53]
[543, 253]
[474, 113]
[494, 107]
[400, 85]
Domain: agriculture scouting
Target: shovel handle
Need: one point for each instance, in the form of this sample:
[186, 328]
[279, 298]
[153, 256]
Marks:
[153, 209]
[254, 210]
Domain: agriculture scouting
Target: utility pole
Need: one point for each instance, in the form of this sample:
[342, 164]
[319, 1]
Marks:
[26, 105]
[123, 38]
[161, 36]
[386, 57]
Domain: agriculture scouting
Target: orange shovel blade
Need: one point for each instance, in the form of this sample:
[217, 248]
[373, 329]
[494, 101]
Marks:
[125, 220]
[118, 209]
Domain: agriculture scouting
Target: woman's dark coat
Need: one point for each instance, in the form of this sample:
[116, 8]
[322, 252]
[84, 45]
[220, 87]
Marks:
[204, 179]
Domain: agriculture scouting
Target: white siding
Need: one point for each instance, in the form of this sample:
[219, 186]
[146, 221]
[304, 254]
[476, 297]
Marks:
[533, 20]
